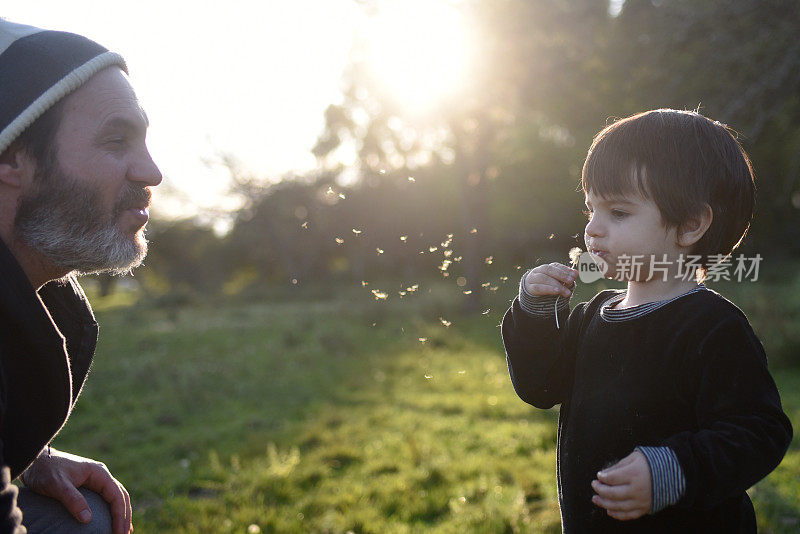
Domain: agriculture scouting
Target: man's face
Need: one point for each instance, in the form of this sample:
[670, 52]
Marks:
[87, 212]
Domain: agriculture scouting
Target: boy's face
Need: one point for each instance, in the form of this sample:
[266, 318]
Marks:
[630, 226]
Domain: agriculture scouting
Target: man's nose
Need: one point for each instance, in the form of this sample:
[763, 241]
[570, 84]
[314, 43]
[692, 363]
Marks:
[144, 170]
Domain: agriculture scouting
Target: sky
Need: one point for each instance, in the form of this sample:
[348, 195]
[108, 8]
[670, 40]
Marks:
[247, 79]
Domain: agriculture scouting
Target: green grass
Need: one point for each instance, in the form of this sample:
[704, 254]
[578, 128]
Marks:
[333, 416]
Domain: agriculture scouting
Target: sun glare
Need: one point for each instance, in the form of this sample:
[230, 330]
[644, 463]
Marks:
[418, 50]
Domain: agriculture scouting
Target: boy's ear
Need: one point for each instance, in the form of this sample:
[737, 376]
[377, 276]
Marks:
[693, 229]
[15, 165]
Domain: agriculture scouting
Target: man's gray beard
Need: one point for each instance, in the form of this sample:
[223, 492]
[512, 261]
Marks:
[65, 221]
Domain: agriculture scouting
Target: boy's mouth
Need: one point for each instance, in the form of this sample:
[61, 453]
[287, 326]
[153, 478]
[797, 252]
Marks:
[598, 252]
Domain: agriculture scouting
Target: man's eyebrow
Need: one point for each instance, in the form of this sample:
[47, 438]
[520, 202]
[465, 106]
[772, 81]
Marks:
[126, 124]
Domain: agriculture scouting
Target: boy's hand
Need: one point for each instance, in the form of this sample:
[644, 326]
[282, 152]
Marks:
[624, 489]
[550, 279]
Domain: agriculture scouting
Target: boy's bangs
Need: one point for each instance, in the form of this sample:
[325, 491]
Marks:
[610, 173]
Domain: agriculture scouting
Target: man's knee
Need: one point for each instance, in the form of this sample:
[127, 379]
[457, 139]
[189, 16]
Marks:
[46, 516]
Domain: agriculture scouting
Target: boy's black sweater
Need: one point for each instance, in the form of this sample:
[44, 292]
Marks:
[690, 375]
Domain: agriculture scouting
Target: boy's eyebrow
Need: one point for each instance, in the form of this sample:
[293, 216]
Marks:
[612, 200]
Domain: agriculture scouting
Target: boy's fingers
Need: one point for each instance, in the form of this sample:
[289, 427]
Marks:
[561, 272]
[613, 476]
[615, 493]
[547, 289]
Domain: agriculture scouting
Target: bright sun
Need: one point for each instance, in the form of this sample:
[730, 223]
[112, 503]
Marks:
[419, 50]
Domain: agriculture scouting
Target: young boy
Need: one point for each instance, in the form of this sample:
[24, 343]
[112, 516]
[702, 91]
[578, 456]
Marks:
[668, 412]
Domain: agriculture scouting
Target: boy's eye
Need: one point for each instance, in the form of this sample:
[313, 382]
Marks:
[618, 214]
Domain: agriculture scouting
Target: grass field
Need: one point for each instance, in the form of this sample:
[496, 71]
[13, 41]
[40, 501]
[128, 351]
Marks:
[333, 415]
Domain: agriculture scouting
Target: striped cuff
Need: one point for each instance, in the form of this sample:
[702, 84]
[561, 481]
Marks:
[540, 305]
[666, 474]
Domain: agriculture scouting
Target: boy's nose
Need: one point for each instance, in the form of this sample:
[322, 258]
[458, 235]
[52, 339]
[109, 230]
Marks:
[593, 229]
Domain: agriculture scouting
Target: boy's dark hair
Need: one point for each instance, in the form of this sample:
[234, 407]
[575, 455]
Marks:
[39, 139]
[681, 160]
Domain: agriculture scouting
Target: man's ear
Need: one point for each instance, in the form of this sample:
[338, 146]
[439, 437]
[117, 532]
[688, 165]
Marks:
[693, 229]
[15, 165]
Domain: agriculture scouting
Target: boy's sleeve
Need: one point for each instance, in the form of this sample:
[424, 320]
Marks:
[743, 431]
[540, 355]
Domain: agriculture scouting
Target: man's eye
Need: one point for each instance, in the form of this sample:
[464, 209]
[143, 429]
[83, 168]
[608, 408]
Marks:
[116, 142]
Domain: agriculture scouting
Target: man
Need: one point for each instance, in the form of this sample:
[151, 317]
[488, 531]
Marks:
[75, 179]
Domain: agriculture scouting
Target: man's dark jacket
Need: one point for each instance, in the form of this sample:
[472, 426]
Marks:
[47, 341]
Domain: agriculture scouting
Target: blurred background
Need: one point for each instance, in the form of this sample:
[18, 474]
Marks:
[352, 191]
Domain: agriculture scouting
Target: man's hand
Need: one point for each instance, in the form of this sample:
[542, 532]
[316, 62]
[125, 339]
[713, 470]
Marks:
[625, 489]
[60, 474]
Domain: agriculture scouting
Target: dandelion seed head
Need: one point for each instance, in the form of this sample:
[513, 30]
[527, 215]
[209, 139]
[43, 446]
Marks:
[574, 255]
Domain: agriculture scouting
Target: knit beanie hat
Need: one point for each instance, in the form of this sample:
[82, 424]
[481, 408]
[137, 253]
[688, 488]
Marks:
[38, 68]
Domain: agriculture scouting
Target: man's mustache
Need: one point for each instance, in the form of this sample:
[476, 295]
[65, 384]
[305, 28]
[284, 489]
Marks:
[133, 197]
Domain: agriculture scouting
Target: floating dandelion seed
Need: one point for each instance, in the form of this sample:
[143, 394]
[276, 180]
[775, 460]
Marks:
[382, 171]
[380, 250]
[357, 232]
[468, 292]
[413, 288]
[339, 240]
[379, 295]
[403, 238]
[448, 253]
[458, 258]
[474, 231]
[428, 377]
[432, 249]
[503, 278]
[411, 179]
[493, 288]
[364, 283]
[551, 236]
[294, 281]
[445, 322]
[341, 195]
[489, 260]
[329, 191]
[445, 274]
[462, 372]
[423, 340]
[486, 312]
[486, 284]
[518, 267]
[305, 225]
[445, 264]
[401, 293]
